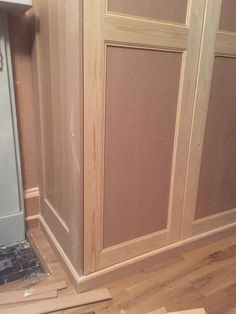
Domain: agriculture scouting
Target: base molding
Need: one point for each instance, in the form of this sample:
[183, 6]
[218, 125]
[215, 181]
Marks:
[32, 222]
[128, 267]
[32, 206]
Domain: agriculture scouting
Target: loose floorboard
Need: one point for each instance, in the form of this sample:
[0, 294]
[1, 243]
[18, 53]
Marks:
[201, 278]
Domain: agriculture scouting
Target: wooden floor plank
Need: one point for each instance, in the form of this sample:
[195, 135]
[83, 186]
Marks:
[60, 303]
[178, 284]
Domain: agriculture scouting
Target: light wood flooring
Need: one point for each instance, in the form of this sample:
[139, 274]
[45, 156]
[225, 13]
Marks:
[202, 278]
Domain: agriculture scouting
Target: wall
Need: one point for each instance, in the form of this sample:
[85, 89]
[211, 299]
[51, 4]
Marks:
[21, 48]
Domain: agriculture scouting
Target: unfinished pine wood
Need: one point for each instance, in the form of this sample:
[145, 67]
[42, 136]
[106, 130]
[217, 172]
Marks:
[24, 296]
[200, 114]
[61, 303]
[173, 10]
[218, 160]
[195, 311]
[74, 137]
[165, 285]
[159, 311]
[117, 30]
[125, 30]
[59, 59]
[33, 293]
[225, 44]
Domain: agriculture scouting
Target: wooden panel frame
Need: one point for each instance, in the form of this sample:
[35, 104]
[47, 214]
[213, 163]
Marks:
[214, 43]
[225, 44]
[126, 31]
[69, 234]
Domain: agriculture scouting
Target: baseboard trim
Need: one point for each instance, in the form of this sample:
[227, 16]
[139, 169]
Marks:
[32, 222]
[31, 202]
[104, 276]
[67, 265]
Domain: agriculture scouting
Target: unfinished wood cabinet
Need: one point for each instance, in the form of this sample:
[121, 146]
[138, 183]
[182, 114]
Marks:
[210, 183]
[131, 120]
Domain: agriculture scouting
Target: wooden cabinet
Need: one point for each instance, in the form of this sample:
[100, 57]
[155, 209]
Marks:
[137, 146]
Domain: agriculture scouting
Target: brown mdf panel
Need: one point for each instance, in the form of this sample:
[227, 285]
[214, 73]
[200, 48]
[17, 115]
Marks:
[141, 100]
[171, 10]
[217, 182]
[228, 14]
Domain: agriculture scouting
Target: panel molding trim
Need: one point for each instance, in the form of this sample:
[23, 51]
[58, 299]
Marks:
[32, 192]
[101, 277]
[50, 208]
[215, 221]
[225, 44]
[140, 33]
[202, 94]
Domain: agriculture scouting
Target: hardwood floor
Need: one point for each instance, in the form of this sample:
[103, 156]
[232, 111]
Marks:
[202, 278]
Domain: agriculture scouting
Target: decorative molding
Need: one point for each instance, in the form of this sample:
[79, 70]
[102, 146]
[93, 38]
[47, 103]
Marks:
[33, 192]
[131, 265]
[33, 217]
[73, 273]
[31, 202]
[56, 215]
[214, 221]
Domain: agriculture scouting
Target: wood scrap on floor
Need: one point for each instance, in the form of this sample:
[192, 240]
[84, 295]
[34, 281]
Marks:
[60, 303]
[159, 311]
[194, 311]
[30, 294]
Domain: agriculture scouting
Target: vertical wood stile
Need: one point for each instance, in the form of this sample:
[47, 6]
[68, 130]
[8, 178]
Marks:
[94, 72]
[206, 60]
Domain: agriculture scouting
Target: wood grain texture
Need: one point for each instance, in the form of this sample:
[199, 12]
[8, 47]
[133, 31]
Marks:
[58, 59]
[121, 31]
[94, 76]
[195, 20]
[130, 266]
[202, 94]
[159, 311]
[173, 10]
[31, 202]
[168, 285]
[194, 311]
[216, 191]
[225, 44]
[61, 303]
[125, 30]
[24, 296]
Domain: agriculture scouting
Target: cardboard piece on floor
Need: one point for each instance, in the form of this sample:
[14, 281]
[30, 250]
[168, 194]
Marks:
[60, 303]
